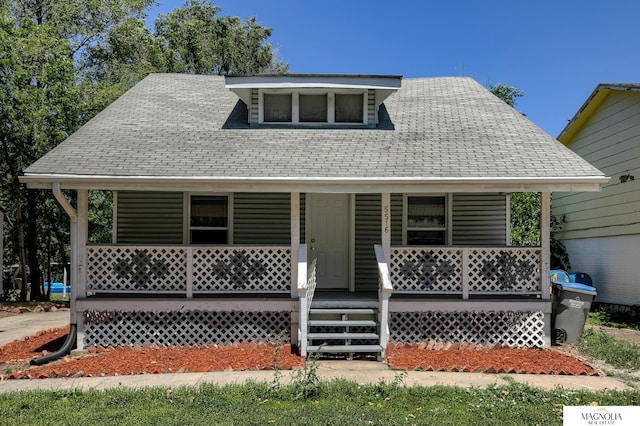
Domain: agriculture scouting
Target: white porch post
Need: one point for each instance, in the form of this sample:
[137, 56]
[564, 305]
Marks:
[385, 290]
[545, 243]
[295, 252]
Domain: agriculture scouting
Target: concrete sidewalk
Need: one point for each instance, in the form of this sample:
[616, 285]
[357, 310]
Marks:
[363, 372]
[18, 326]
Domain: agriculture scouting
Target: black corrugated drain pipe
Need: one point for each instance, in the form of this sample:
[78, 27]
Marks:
[64, 350]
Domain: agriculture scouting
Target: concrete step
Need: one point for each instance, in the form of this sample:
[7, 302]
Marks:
[345, 348]
[342, 336]
[341, 323]
[358, 311]
[331, 304]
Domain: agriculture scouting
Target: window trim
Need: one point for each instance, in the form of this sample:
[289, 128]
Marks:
[447, 219]
[187, 216]
[295, 105]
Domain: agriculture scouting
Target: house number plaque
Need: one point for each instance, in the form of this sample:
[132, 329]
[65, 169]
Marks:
[387, 219]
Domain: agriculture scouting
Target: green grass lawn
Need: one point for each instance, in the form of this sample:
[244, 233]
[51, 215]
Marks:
[614, 351]
[327, 403]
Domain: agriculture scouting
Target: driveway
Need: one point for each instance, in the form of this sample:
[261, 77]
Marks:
[16, 327]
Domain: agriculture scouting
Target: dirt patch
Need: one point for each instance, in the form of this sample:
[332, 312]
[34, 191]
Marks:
[11, 309]
[15, 356]
[627, 334]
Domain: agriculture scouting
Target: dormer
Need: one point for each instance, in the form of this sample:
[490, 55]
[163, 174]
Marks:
[321, 100]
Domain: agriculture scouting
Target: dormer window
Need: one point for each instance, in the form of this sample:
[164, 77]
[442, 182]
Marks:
[277, 108]
[313, 99]
[348, 108]
[312, 107]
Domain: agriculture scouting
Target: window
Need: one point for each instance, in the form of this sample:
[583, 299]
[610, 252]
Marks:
[426, 220]
[208, 221]
[348, 108]
[277, 108]
[313, 108]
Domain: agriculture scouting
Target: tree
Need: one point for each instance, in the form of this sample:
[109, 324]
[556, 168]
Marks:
[62, 62]
[508, 94]
[41, 104]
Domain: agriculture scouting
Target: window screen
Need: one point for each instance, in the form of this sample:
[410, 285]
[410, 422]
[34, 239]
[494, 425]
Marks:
[277, 108]
[313, 108]
[348, 108]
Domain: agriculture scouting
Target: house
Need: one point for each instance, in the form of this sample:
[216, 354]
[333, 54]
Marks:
[342, 209]
[601, 231]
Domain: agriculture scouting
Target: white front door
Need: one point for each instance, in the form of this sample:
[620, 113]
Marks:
[328, 239]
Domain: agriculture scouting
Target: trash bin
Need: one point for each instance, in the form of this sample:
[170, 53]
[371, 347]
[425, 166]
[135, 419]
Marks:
[570, 306]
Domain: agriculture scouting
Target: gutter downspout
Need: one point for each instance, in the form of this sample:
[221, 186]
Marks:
[69, 343]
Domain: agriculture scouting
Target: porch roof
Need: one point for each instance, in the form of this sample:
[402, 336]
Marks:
[187, 132]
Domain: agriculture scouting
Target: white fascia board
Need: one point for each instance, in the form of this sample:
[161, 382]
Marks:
[330, 81]
[316, 184]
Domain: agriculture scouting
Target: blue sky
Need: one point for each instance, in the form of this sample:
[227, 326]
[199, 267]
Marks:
[556, 51]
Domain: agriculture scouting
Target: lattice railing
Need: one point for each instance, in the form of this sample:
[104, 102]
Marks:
[504, 270]
[186, 269]
[138, 269]
[241, 269]
[464, 271]
[311, 283]
[516, 329]
[416, 269]
[119, 328]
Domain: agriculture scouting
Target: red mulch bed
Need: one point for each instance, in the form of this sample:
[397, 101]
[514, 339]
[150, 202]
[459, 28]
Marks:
[249, 356]
[496, 360]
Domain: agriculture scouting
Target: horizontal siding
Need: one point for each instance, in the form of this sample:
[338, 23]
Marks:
[396, 219]
[262, 218]
[479, 219]
[367, 234]
[149, 217]
[610, 140]
[612, 263]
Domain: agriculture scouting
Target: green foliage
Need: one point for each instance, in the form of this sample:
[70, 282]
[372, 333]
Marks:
[305, 382]
[61, 63]
[617, 352]
[525, 227]
[338, 402]
[508, 94]
[203, 43]
[614, 318]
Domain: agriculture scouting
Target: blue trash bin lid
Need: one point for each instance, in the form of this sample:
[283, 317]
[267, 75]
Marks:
[577, 287]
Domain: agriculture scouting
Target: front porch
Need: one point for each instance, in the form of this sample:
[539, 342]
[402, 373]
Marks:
[194, 295]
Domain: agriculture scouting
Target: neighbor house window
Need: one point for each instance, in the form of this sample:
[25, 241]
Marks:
[277, 108]
[312, 108]
[348, 108]
[426, 220]
[208, 222]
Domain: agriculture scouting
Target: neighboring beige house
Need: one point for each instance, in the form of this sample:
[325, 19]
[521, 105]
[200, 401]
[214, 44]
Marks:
[235, 198]
[602, 230]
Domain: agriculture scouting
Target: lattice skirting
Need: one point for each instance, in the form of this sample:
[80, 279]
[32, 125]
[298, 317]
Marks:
[120, 328]
[516, 329]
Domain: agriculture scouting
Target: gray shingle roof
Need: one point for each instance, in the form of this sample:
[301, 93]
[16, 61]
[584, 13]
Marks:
[172, 125]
